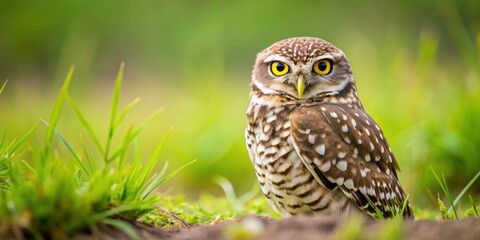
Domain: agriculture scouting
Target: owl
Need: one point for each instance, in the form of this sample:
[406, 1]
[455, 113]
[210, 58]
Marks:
[314, 148]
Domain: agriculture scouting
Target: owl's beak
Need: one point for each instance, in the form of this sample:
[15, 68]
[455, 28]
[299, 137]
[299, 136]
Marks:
[300, 86]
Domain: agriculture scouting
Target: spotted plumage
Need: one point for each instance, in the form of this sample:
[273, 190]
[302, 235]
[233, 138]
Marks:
[314, 148]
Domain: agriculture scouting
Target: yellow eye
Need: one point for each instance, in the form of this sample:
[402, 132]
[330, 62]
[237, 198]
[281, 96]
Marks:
[322, 67]
[279, 68]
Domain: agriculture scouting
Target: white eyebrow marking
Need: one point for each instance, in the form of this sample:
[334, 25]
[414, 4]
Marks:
[277, 57]
[327, 56]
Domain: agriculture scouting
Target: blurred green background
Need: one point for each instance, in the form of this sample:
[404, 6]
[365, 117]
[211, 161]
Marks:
[416, 64]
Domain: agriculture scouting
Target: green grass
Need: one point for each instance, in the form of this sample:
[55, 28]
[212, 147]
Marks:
[55, 195]
[451, 212]
[41, 188]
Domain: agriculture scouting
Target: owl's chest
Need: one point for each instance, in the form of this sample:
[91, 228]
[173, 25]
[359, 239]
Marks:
[269, 133]
[283, 177]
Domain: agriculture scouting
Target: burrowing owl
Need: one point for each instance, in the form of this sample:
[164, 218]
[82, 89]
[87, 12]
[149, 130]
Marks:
[314, 147]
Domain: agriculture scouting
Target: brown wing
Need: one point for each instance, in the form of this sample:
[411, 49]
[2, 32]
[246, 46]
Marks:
[344, 148]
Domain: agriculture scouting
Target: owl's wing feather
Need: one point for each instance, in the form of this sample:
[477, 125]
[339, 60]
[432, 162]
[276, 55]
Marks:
[344, 148]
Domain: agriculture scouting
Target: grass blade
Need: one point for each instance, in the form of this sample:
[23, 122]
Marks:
[21, 141]
[146, 122]
[143, 184]
[444, 187]
[3, 87]
[474, 206]
[155, 184]
[134, 133]
[111, 212]
[154, 158]
[227, 189]
[87, 156]
[77, 159]
[29, 167]
[404, 206]
[3, 138]
[125, 110]
[122, 226]
[464, 190]
[84, 122]
[122, 151]
[57, 109]
[113, 114]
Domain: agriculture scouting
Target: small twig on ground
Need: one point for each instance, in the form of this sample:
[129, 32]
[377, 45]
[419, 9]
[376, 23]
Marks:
[171, 214]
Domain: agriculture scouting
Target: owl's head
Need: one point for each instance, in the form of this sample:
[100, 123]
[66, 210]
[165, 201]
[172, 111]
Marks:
[302, 68]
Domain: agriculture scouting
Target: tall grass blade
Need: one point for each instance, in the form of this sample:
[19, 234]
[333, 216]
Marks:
[29, 167]
[155, 184]
[91, 165]
[122, 151]
[3, 138]
[57, 109]
[154, 158]
[85, 123]
[142, 185]
[125, 110]
[227, 189]
[444, 187]
[77, 159]
[474, 206]
[15, 146]
[465, 189]
[146, 122]
[3, 87]
[113, 114]
[404, 205]
[135, 132]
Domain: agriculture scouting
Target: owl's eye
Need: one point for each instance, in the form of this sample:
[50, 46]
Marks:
[322, 67]
[279, 68]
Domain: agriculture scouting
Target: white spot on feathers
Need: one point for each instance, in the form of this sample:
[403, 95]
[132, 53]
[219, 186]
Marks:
[354, 123]
[271, 118]
[320, 149]
[326, 166]
[342, 165]
[339, 180]
[348, 184]
[368, 132]
[355, 152]
[266, 128]
[362, 190]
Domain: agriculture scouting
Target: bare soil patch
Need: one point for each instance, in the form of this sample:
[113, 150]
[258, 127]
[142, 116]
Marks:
[302, 227]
